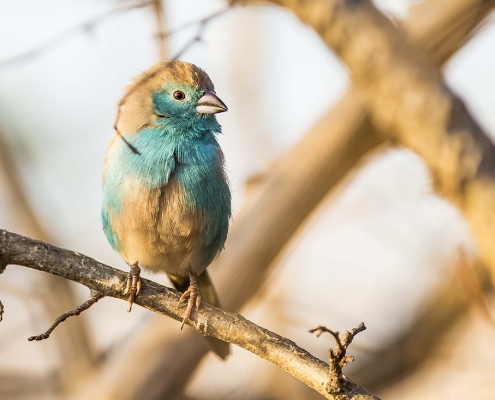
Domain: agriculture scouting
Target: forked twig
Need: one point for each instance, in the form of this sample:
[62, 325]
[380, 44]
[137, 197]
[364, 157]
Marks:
[54, 42]
[90, 25]
[338, 383]
[202, 24]
[93, 298]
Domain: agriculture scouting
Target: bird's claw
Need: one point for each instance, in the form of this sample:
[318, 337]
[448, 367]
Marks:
[133, 284]
[192, 296]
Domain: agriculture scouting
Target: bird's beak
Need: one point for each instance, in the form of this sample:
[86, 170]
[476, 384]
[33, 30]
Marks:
[210, 104]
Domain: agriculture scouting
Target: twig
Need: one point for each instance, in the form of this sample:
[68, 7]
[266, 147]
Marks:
[203, 20]
[207, 320]
[93, 298]
[338, 383]
[203, 23]
[89, 26]
[161, 35]
[63, 37]
[196, 39]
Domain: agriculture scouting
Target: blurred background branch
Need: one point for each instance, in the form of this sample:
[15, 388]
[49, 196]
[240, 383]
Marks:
[93, 23]
[408, 101]
[60, 39]
[161, 35]
[74, 344]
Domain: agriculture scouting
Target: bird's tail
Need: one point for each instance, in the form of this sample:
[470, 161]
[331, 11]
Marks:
[209, 295]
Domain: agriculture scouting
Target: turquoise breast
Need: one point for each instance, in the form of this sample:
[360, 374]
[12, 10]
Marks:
[168, 207]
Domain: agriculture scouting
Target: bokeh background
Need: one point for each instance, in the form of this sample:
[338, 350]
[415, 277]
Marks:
[380, 249]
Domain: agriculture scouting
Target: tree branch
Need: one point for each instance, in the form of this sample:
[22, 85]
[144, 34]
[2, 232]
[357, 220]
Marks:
[198, 37]
[92, 24]
[337, 357]
[409, 102]
[58, 40]
[93, 298]
[161, 35]
[208, 320]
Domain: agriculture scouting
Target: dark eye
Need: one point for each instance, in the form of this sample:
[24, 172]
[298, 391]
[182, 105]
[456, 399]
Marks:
[179, 95]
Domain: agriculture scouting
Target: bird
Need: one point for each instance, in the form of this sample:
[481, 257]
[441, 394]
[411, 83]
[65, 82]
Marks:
[166, 201]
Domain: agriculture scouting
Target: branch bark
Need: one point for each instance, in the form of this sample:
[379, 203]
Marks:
[208, 320]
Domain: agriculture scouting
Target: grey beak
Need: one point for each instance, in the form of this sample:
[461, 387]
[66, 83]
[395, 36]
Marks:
[210, 104]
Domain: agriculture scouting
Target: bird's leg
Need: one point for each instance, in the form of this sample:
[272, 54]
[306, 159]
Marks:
[192, 296]
[133, 285]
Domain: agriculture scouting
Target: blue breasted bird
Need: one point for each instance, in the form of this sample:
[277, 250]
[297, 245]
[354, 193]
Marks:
[166, 200]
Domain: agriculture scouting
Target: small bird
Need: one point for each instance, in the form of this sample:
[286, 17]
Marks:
[166, 199]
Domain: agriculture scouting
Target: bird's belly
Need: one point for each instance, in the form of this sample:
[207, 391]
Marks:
[156, 230]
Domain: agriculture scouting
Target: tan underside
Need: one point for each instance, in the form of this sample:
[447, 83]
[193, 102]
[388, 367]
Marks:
[155, 231]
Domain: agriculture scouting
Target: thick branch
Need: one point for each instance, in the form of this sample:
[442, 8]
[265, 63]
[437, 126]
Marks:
[208, 320]
[408, 100]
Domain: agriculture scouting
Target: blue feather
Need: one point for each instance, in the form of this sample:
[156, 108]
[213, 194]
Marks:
[166, 207]
[184, 147]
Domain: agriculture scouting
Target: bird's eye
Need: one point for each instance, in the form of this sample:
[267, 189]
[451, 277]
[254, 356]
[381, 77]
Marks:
[179, 95]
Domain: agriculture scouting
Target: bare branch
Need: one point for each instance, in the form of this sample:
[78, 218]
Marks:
[89, 26]
[94, 297]
[202, 24]
[409, 102]
[63, 37]
[161, 35]
[196, 39]
[337, 358]
[208, 320]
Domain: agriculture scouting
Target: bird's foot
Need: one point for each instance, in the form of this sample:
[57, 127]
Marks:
[133, 284]
[192, 296]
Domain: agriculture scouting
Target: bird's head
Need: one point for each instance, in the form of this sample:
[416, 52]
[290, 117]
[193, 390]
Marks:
[174, 93]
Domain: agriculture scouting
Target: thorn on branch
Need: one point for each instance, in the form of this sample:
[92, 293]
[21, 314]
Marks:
[93, 298]
[1, 310]
[338, 383]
